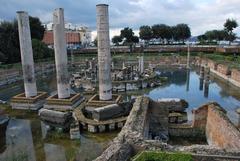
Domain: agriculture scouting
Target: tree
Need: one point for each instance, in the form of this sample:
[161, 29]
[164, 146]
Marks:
[229, 26]
[145, 33]
[181, 32]
[162, 31]
[40, 50]
[127, 34]
[9, 39]
[128, 37]
[37, 29]
[116, 40]
[135, 39]
[216, 35]
[95, 41]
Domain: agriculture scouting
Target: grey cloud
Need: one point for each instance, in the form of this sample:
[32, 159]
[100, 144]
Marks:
[201, 15]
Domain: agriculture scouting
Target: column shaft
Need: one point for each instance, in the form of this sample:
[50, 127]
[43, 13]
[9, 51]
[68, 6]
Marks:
[63, 86]
[26, 54]
[104, 55]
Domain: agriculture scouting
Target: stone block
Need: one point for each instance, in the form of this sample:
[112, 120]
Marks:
[112, 126]
[102, 128]
[92, 128]
[54, 103]
[33, 103]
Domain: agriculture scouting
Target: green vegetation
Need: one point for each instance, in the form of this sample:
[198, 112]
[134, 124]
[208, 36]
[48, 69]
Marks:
[20, 156]
[127, 37]
[9, 41]
[165, 33]
[227, 59]
[213, 36]
[162, 156]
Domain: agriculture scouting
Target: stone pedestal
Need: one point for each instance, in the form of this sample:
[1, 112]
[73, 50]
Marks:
[104, 55]
[64, 104]
[20, 101]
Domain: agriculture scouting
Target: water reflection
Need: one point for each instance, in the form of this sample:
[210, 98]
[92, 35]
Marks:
[188, 80]
[32, 140]
[206, 88]
[211, 89]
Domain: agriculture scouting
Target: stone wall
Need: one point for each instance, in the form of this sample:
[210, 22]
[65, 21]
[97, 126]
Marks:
[158, 119]
[212, 65]
[131, 139]
[186, 132]
[200, 117]
[223, 69]
[220, 131]
[235, 75]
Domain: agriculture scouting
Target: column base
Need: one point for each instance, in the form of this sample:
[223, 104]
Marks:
[21, 102]
[66, 104]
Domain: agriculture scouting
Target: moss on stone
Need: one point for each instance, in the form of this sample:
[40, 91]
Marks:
[162, 156]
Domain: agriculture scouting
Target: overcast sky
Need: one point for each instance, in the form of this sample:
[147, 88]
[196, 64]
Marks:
[200, 15]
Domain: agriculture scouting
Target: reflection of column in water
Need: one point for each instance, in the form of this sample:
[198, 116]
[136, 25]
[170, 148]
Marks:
[206, 89]
[201, 84]
[202, 72]
[188, 80]
[188, 57]
[207, 82]
[201, 78]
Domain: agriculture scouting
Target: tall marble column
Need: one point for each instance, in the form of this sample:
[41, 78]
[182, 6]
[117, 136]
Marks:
[26, 54]
[104, 55]
[63, 86]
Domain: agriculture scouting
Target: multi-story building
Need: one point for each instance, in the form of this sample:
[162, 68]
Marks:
[76, 36]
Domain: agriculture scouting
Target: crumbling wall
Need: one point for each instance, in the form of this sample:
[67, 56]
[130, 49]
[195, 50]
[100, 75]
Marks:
[158, 119]
[200, 117]
[220, 131]
[124, 145]
[235, 75]
[186, 131]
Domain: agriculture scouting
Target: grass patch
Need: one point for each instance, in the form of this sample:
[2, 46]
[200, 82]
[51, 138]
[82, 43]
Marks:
[227, 59]
[162, 156]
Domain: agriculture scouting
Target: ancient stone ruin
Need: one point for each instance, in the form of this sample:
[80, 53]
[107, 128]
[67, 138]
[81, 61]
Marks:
[209, 122]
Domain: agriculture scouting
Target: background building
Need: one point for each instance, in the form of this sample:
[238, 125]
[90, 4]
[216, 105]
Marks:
[76, 36]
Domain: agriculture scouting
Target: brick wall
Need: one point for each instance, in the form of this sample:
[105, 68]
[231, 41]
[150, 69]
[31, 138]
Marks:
[200, 117]
[212, 65]
[223, 69]
[220, 131]
[235, 75]
[158, 118]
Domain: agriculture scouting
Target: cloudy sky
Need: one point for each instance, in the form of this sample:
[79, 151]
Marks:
[201, 15]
